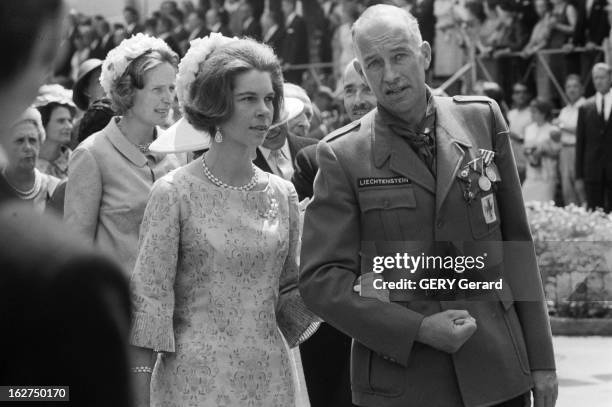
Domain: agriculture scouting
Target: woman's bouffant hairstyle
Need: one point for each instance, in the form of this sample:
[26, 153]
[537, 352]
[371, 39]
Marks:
[124, 88]
[47, 110]
[211, 94]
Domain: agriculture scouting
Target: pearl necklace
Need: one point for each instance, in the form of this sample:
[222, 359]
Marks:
[247, 187]
[26, 195]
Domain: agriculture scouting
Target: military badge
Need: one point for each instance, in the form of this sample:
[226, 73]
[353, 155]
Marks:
[488, 208]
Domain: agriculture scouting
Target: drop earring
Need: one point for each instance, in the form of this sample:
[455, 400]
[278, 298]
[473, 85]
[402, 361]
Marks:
[218, 136]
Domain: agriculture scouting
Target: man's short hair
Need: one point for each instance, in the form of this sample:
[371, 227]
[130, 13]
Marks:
[375, 13]
[573, 77]
[602, 66]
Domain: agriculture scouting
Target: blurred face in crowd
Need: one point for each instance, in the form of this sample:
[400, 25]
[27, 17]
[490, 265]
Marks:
[59, 127]
[18, 92]
[537, 115]
[300, 126]
[601, 80]
[358, 97]
[212, 17]
[393, 62]
[129, 17]
[119, 35]
[253, 110]
[288, 7]
[193, 22]
[573, 89]
[520, 96]
[22, 146]
[152, 103]
[276, 137]
[541, 7]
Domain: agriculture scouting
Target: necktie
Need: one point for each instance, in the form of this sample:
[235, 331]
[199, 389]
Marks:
[602, 110]
[421, 138]
[283, 165]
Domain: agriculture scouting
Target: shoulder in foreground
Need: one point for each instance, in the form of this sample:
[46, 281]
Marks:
[352, 126]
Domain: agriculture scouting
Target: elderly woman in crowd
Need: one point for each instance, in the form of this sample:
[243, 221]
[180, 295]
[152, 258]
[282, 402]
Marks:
[216, 272]
[57, 111]
[22, 146]
[542, 147]
[112, 171]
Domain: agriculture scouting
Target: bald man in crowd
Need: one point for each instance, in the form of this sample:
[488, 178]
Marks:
[358, 100]
[426, 177]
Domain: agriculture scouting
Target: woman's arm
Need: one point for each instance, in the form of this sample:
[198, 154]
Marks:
[152, 283]
[141, 380]
[83, 194]
[295, 321]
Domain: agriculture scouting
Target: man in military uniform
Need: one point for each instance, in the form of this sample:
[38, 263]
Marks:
[423, 175]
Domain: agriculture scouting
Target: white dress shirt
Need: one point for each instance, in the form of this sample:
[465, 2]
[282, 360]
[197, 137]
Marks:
[568, 118]
[281, 165]
[607, 99]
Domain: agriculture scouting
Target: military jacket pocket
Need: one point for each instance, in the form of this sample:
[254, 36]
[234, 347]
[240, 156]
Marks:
[388, 208]
[483, 212]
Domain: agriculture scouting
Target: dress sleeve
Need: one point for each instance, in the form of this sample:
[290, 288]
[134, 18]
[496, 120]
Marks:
[152, 280]
[295, 321]
[83, 194]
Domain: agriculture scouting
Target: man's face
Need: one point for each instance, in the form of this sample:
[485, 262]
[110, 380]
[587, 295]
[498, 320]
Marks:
[520, 96]
[129, 17]
[287, 7]
[393, 64]
[20, 91]
[300, 126]
[358, 97]
[573, 90]
[276, 137]
[601, 80]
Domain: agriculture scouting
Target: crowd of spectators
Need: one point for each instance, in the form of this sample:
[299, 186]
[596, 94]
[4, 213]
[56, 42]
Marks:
[537, 57]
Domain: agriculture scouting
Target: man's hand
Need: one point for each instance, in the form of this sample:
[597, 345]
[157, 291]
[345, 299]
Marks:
[545, 388]
[448, 330]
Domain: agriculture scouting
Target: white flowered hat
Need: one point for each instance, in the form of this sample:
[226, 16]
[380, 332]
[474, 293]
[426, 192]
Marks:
[120, 57]
[182, 136]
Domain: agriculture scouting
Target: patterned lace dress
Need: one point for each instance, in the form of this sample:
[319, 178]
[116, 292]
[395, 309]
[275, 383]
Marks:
[214, 285]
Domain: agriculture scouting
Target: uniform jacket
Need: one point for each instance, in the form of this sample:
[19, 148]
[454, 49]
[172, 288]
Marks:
[108, 188]
[593, 144]
[346, 225]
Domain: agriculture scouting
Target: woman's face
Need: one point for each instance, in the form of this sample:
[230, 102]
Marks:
[22, 146]
[541, 7]
[59, 127]
[152, 103]
[253, 109]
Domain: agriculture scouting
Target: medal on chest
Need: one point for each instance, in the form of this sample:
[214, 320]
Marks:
[478, 176]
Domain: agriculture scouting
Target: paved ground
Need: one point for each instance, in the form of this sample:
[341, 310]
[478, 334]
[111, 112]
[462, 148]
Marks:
[584, 368]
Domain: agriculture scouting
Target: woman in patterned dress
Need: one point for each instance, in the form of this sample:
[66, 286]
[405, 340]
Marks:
[215, 281]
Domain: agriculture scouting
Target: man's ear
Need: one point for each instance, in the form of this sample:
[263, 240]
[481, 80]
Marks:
[426, 52]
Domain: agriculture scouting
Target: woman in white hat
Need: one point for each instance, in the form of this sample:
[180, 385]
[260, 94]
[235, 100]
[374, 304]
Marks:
[216, 274]
[111, 173]
[22, 146]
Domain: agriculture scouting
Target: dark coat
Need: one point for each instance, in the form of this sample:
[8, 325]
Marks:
[295, 49]
[593, 145]
[357, 215]
[102, 48]
[594, 27]
[59, 301]
[253, 30]
[276, 40]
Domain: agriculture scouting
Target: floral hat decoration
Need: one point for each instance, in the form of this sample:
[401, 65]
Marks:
[182, 136]
[54, 93]
[199, 50]
[120, 57]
